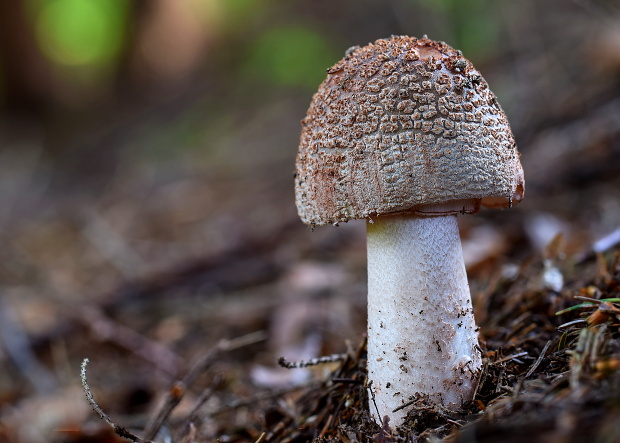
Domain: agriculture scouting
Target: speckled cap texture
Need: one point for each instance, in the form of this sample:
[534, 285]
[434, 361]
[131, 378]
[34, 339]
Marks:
[401, 124]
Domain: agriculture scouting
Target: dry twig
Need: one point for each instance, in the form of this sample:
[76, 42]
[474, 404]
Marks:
[283, 362]
[177, 391]
[118, 430]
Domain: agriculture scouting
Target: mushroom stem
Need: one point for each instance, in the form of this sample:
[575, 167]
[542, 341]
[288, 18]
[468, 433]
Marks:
[422, 336]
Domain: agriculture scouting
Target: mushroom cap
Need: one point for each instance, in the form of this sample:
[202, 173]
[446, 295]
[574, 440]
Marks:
[403, 125]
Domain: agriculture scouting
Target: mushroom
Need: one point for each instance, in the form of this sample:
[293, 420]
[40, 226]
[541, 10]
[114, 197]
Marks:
[405, 133]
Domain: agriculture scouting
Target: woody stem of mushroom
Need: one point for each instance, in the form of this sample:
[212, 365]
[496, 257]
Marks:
[422, 336]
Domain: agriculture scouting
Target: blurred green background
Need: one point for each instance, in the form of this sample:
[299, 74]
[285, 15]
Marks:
[67, 64]
[92, 86]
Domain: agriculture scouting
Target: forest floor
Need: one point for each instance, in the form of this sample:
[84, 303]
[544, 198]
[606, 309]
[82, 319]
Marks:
[187, 349]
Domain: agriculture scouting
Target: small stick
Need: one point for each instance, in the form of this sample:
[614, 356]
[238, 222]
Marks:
[481, 377]
[327, 425]
[151, 351]
[374, 401]
[405, 405]
[222, 346]
[204, 397]
[594, 300]
[279, 428]
[455, 423]
[176, 393]
[118, 430]
[312, 362]
[538, 360]
[570, 323]
[510, 357]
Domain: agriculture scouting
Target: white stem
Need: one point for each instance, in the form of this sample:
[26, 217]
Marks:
[422, 336]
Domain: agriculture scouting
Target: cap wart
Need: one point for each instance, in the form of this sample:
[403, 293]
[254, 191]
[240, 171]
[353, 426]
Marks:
[404, 125]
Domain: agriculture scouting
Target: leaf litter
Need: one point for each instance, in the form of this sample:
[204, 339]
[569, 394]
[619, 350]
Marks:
[551, 372]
